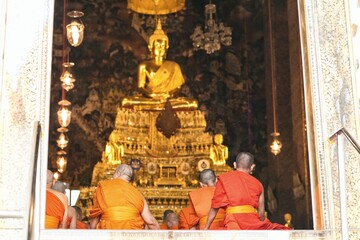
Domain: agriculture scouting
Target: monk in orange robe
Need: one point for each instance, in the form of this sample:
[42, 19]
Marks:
[242, 196]
[75, 217]
[79, 217]
[184, 218]
[170, 220]
[119, 205]
[200, 203]
[56, 210]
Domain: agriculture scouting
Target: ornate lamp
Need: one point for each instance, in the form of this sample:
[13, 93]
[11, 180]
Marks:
[56, 176]
[214, 35]
[64, 114]
[61, 163]
[67, 78]
[63, 140]
[75, 29]
[276, 144]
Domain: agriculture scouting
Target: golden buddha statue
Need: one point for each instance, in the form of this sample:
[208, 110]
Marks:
[159, 79]
[288, 223]
[114, 150]
[218, 152]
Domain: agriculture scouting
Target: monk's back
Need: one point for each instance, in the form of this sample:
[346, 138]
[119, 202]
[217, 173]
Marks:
[117, 192]
[121, 205]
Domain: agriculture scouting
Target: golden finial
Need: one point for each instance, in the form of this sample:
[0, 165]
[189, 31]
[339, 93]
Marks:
[158, 34]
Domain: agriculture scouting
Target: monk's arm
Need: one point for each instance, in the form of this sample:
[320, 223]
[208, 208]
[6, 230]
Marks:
[261, 207]
[149, 218]
[64, 200]
[94, 221]
[211, 217]
[72, 215]
[95, 211]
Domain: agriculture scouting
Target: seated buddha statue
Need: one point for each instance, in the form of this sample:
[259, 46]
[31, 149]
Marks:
[218, 152]
[159, 79]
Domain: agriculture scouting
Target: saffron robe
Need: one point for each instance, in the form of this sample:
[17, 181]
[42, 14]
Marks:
[237, 188]
[200, 204]
[119, 204]
[54, 211]
[163, 226]
[184, 219]
[164, 81]
[81, 225]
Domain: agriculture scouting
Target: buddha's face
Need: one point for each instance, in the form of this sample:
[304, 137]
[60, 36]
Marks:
[159, 47]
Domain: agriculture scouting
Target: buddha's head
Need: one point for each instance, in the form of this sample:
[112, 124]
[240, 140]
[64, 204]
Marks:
[158, 41]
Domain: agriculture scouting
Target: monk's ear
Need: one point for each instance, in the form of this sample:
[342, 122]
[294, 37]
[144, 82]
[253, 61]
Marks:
[252, 168]
[234, 164]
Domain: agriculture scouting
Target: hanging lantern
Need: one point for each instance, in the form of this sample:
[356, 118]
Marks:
[61, 163]
[56, 176]
[62, 141]
[75, 29]
[67, 78]
[64, 114]
[276, 144]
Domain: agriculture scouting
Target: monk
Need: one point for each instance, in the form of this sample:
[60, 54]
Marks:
[56, 211]
[242, 195]
[200, 203]
[163, 225]
[71, 221]
[184, 219]
[79, 223]
[117, 204]
[170, 221]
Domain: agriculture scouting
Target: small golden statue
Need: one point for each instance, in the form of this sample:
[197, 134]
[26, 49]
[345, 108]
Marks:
[159, 79]
[219, 152]
[287, 218]
[114, 150]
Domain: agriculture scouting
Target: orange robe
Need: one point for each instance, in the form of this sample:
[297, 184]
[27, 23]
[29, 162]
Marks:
[54, 211]
[119, 204]
[81, 225]
[234, 189]
[184, 219]
[200, 204]
[163, 226]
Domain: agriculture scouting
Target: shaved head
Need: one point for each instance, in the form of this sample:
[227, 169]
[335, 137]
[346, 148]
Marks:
[59, 186]
[49, 178]
[172, 220]
[207, 177]
[124, 171]
[167, 212]
[244, 160]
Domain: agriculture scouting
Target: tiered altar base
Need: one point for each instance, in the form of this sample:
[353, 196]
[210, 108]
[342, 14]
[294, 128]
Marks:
[166, 169]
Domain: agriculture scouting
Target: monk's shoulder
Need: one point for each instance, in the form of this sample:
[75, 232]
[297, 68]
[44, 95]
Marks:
[227, 175]
[61, 196]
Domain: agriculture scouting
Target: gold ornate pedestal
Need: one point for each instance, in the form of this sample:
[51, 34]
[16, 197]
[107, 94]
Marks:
[166, 169]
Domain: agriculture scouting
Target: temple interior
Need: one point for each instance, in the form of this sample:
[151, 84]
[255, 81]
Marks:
[239, 95]
[276, 78]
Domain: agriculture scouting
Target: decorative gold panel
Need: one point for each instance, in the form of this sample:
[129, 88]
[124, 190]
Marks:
[331, 104]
